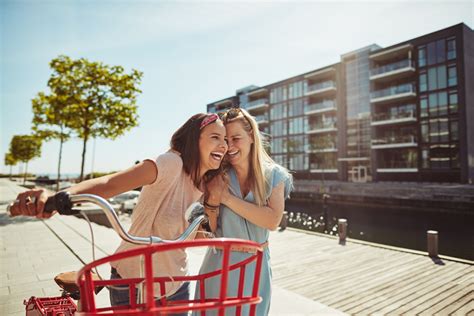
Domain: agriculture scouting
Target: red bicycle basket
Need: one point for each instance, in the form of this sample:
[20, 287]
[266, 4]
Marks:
[50, 306]
[149, 307]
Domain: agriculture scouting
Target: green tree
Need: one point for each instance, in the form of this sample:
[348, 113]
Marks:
[100, 99]
[50, 114]
[10, 161]
[24, 148]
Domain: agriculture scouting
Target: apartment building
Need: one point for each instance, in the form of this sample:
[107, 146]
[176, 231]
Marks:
[399, 113]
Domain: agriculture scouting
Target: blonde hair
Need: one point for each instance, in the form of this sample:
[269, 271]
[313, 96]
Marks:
[260, 161]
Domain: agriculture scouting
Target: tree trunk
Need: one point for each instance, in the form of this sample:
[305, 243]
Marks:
[24, 174]
[59, 162]
[86, 136]
[10, 177]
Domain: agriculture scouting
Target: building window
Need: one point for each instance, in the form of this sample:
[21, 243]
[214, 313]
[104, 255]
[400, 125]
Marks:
[441, 77]
[295, 126]
[295, 90]
[440, 156]
[442, 103]
[423, 82]
[278, 111]
[278, 94]
[451, 48]
[422, 56]
[425, 158]
[431, 53]
[278, 128]
[452, 76]
[453, 102]
[423, 107]
[425, 133]
[454, 131]
[440, 51]
[295, 108]
[454, 156]
[433, 104]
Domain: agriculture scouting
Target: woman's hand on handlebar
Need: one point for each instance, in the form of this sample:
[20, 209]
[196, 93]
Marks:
[31, 203]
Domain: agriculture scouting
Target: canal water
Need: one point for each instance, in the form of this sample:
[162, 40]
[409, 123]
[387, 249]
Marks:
[400, 227]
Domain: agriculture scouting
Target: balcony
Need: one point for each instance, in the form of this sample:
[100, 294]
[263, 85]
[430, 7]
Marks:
[321, 127]
[317, 168]
[398, 166]
[261, 119]
[258, 92]
[331, 148]
[395, 93]
[321, 74]
[321, 88]
[394, 142]
[223, 104]
[398, 70]
[258, 104]
[392, 53]
[389, 118]
[320, 107]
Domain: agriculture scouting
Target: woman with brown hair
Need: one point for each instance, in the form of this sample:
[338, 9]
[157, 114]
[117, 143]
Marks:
[171, 182]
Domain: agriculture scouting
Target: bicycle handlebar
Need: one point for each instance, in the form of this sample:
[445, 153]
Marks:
[63, 202]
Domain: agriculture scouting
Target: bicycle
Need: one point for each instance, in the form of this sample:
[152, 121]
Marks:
[84, 285]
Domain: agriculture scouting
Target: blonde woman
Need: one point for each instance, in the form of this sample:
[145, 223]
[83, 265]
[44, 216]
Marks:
[250, 205]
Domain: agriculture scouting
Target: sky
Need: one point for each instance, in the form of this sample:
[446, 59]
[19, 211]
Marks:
[191, 53]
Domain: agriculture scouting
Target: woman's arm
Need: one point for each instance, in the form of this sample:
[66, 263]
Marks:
[268, 217]
[107, 186]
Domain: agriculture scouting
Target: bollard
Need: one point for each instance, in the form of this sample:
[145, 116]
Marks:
[432, 237]
[342, 230]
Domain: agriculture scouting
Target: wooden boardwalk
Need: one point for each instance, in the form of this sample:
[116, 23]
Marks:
[362, 279]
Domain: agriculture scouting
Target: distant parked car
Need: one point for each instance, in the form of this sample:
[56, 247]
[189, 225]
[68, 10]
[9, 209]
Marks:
[127, 206]
[123, 197]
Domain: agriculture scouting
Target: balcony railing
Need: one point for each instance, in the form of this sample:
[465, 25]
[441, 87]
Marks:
[321, 86]
[316, 167]
[392, 67]
[394, 142]
[321, 149]
[321, 126]
[252, 105]
[261, 119]
[392, 91]
[398, 164]
[387, 118]
[326, 105]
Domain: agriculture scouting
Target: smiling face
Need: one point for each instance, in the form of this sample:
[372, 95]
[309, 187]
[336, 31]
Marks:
[212, 146]
[240, 143]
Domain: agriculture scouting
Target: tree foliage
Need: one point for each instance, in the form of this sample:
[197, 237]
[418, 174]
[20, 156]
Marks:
[24, 148]
[97, 100]
[50, 114]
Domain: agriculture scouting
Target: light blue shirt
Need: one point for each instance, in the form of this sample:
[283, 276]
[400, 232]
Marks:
[232, 225]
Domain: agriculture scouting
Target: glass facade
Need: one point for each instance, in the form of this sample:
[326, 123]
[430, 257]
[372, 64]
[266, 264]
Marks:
[401, 113]
[439, 121]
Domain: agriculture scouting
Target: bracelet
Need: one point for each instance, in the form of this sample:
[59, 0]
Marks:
[211, 207]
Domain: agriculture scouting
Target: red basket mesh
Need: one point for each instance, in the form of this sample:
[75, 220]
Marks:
[50, 306]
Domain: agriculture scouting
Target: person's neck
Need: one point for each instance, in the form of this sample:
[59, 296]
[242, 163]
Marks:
[242, 171]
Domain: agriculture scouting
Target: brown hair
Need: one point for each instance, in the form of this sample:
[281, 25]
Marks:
[186, 141]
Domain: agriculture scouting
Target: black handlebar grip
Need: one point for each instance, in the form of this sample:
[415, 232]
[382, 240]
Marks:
[60, 202]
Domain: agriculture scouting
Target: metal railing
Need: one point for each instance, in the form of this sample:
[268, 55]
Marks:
[326, 104]
[402, 139]
[391, 67]
[391, 116]
[257, 102]
[321, 86]
[321, 125]
[404, 88]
